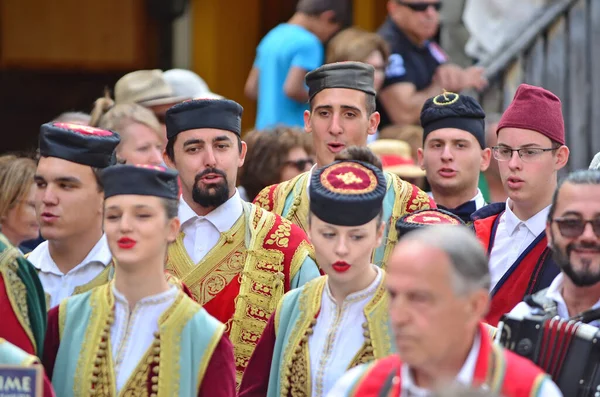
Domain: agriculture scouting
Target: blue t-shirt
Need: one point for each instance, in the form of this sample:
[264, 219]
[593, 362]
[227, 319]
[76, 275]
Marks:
[282, 48]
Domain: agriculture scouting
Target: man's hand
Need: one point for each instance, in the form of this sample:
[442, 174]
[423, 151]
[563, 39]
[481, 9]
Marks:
[474, 78]
[450, 77]
[454, 78]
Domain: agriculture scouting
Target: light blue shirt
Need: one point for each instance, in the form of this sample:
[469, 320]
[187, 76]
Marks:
[281, 49]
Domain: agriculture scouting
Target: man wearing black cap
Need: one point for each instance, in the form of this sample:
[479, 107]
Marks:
[342, 114]
[237, 259]
[454, 152]
[69, 201]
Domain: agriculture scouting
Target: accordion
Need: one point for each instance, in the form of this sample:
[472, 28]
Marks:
[569, 351]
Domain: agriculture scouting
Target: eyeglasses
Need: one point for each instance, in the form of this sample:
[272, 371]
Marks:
[573, 227]
[530, 154]
[300, 164]
[420, 6]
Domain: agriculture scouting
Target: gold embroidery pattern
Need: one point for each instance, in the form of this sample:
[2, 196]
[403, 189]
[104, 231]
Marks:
[281, 237]
[261, 287]
[16, 290]
[158, 369]
[420, 202]
[295, 377]
[349, 174]
[349, 178]
[402, 192]
[216, 270]
[262, 200]
[298, 212]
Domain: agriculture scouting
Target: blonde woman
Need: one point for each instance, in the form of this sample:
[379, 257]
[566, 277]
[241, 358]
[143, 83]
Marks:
[17, 207]
[354, 44]
[142, 139]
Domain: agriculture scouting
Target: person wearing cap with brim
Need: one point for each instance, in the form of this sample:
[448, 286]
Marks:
[342, 114]
[530, 152]
[454, 152]
[75, 256]
[186, 83]
[237, 259]
[149, 89]
[340, 320]
[396, 158]
[139, 334]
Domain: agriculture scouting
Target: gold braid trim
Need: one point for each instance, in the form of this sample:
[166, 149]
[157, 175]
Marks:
[299, 211]
[258, 287]
[16, 290]
[378, 342]
[95, 372]
[402, 193]
[282, 191]
[295, 378]
[102, 278]
[210, 349]
[304, 250]
[62, 317]
[171, 325]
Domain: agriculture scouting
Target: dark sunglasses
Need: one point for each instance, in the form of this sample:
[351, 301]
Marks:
[420, 6]
[300, 165]
[571, 228]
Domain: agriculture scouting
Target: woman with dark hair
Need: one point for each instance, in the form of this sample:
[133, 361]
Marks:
[340, 320]
[274, 156]
[139, 334]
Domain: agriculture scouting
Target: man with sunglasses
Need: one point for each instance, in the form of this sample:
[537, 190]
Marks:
[342, 114]
[418, 68]
[573, 229]
[530, 152]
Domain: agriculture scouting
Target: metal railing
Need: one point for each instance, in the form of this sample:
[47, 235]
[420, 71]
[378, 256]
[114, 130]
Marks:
[560, 51]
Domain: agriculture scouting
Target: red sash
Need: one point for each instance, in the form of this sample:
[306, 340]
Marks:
[500, 370]
[521, 278]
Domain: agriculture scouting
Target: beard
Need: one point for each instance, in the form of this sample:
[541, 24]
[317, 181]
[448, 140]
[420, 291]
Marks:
[212, 195]
[585, 277]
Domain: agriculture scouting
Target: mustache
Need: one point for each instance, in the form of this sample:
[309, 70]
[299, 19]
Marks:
[209, 171]
[583, 245]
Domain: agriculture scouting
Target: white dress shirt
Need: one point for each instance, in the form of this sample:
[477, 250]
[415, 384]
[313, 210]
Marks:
[132, 333]
[465, 376]
[479, 199]
[338, 336]
[513, 236]
[554, 292]
[60, 286]
[203, 232]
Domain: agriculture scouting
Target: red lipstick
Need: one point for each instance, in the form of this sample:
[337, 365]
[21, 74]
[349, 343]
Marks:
[126, 243]
[340, 266]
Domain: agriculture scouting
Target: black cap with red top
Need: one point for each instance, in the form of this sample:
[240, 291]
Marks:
[79, 144]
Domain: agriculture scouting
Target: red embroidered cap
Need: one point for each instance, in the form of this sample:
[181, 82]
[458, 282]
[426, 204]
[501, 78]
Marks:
[347, 193]
[424, 218]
